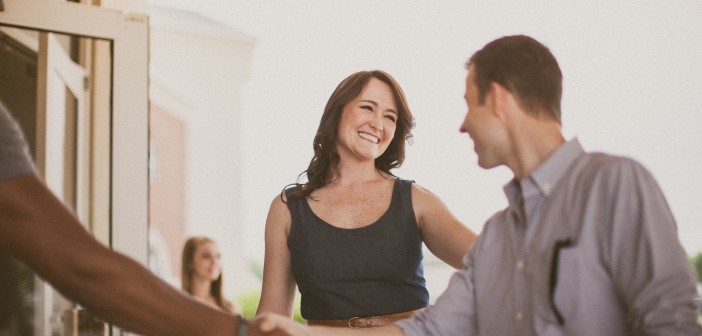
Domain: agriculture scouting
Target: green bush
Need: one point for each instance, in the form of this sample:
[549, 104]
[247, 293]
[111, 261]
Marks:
[696, 262]
[697, 265]
[248, 302]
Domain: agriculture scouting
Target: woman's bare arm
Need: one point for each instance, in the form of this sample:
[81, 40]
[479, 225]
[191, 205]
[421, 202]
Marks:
[442, 232]
[278, 292]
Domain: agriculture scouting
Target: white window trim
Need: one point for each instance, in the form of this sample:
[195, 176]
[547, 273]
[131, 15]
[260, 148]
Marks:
[129, 149]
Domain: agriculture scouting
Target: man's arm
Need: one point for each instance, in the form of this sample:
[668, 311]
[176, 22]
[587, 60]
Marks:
[36, 228]
[454, 311]
[648, 264]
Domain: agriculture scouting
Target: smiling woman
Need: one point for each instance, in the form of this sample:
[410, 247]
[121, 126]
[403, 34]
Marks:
[351, 236]
[350, 93]
[370, 117]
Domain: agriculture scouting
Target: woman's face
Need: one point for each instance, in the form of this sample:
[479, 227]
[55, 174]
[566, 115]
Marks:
[206, 264]
[368, 123]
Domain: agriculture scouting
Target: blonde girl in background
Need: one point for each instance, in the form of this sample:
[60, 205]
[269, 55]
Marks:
[201, 273]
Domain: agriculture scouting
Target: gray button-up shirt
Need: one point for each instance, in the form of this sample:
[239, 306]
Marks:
[587, 246]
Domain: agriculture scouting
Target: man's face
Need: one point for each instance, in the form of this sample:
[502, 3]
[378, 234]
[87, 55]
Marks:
[483, 126]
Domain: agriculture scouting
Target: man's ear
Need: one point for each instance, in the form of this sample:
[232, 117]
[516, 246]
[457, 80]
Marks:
[498, 98]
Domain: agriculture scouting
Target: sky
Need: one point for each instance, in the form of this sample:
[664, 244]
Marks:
[632, 86]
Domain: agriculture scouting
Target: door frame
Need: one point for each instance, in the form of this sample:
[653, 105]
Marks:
[128, 191]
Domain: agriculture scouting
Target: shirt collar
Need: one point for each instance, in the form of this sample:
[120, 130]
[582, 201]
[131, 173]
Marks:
[546, 175]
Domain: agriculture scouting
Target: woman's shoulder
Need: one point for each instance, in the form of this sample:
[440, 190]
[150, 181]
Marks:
[287, 193]
[418, 189]
[281, 199]
[424, 198]
[279, 212]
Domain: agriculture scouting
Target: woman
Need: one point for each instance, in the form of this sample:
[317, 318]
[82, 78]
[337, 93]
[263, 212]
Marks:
[201, 273]
[351, 237]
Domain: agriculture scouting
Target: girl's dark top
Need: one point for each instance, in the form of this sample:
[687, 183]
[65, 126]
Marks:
[370, 271]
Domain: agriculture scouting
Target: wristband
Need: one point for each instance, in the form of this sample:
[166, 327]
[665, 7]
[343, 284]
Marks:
[242, 329]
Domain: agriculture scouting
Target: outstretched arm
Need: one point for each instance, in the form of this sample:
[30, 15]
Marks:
[643, 252]
[442, 232]
[36, 228]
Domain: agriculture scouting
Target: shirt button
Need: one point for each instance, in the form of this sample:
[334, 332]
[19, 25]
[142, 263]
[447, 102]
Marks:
[519, 316]
[547, 187]
[520, 265]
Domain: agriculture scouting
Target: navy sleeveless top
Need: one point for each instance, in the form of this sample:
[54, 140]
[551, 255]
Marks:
[370, 271]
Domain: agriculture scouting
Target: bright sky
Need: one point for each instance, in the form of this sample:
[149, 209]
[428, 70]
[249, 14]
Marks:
[633, 86]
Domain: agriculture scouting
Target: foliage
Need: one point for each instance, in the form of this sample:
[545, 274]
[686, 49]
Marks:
[248, 302]
[16, 289]
[696, 262]
[697, 265]
[256, 269]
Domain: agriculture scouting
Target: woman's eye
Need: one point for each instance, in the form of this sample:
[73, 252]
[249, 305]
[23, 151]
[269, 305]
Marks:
[391, 117]
[367, 107]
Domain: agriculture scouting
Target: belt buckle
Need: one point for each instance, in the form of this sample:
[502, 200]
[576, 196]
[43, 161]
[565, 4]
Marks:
[369, 322]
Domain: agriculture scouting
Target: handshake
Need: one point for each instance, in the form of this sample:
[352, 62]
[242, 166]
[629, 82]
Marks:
[276, 325]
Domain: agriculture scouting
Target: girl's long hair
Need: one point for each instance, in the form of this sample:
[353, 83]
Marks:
[186, 272]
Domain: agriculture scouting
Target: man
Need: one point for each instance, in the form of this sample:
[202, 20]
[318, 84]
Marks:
[587, 244]
[36, 228]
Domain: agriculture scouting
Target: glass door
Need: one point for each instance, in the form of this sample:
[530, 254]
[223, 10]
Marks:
[75, 77]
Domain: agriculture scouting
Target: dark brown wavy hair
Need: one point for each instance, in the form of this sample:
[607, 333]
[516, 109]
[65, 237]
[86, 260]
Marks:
[325, 160]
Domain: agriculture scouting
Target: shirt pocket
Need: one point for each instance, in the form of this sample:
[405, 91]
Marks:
[556, 293]
[567, 289]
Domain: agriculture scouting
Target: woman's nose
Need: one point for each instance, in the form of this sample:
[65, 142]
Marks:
[377, 123]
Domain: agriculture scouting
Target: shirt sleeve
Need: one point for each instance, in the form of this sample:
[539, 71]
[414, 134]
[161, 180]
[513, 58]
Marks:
[453, 313]
[14, 154]
[648, 264]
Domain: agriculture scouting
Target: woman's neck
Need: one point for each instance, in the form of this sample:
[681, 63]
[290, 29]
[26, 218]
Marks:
[348, 173]
[201, 288]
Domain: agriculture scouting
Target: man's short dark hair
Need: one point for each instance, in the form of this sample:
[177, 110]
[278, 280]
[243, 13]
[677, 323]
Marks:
[524, 67]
